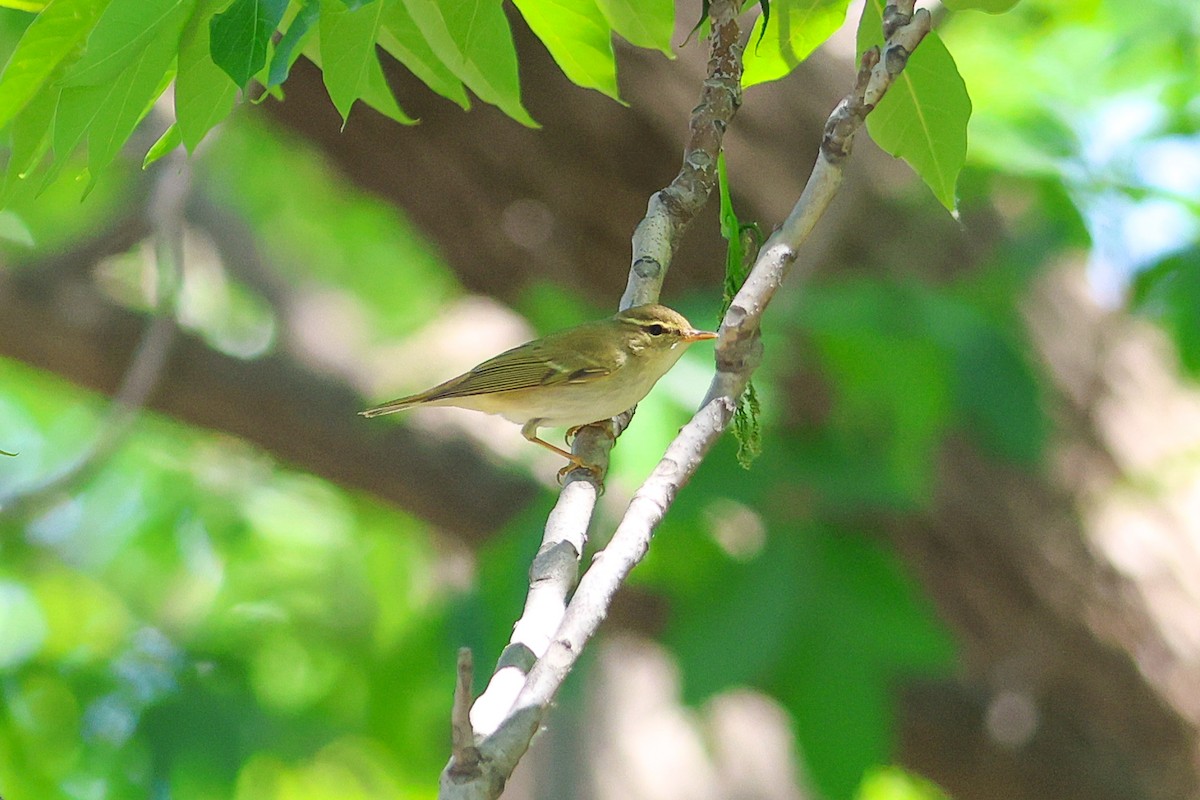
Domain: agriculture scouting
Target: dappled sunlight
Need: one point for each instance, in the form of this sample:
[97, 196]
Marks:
[738, 529]
[1138, 499]
[351, 768]
[22, 624]
[461, 334]
[290, 675]
[649, 745]
[229, 315]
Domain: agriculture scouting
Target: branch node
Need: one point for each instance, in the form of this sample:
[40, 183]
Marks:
[647, 267]
[896, 59]
[869, 59]
[895, 16]
[553, 560]
[517, 655]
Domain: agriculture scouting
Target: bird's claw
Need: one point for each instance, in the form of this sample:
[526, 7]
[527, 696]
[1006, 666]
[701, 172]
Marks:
[597, 475]
[569, 438]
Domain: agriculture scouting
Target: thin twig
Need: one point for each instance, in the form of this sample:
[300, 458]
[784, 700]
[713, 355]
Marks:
[671, 210]
[738, 355]
[462, 735]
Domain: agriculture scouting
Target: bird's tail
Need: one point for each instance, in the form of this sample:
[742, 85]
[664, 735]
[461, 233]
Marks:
[392, 406]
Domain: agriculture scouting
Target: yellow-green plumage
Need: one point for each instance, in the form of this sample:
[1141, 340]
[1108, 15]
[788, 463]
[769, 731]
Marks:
[587, 373]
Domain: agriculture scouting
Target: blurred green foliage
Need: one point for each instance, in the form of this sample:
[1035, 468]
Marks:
[322, 231]
[201, 618]
[891, 783]
[199, 621]
[1169, 293]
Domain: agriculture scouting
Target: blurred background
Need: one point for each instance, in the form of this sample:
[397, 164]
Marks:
[966, 561]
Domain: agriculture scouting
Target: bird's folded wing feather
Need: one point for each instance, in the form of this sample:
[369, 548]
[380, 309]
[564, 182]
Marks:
[525, 367]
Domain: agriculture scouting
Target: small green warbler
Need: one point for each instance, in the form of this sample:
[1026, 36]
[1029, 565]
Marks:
[570, 378]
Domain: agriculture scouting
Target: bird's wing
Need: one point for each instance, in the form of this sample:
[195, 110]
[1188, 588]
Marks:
[523, 367]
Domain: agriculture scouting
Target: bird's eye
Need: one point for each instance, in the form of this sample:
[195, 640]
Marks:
[655, 329]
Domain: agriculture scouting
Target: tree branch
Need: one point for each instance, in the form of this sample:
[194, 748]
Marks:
[555, 569]
[738, 354]
[552, 577]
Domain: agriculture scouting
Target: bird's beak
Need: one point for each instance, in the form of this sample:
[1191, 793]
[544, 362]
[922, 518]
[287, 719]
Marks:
[698, 336]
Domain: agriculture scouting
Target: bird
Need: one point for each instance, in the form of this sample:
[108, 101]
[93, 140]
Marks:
[569, 378]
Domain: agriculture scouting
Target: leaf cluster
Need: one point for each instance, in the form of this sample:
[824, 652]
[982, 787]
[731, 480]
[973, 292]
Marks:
[84, 73]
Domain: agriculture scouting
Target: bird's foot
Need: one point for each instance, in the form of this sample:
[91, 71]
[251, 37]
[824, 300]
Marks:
[596, 473]
[569, 438]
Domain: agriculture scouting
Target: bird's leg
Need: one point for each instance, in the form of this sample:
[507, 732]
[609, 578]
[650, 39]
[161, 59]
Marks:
[529, 431]
[572, 432]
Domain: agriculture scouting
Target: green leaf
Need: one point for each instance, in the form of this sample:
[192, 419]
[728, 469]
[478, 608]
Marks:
[124, 31]
[349, 64]
[923, 117]
[741, 248]
[30, 136]
[797, 28]
[645, 23]
[401, 37]
[473, 39]
[136, 89]
[844, 727]
[52, 38]
[204, 94]
[289, 47]
[742, 605]
[742, 243]
[578, 37]
[240, 36]
[990, 6]
[108, 113]
[170, 139]
[863, 624]
[13, 229]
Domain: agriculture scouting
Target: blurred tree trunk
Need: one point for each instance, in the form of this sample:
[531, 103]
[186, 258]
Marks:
[1075, 592]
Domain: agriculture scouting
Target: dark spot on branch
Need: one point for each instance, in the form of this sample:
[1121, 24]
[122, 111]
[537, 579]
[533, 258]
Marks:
[894, 19]
[896, 58]
[647, 267]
